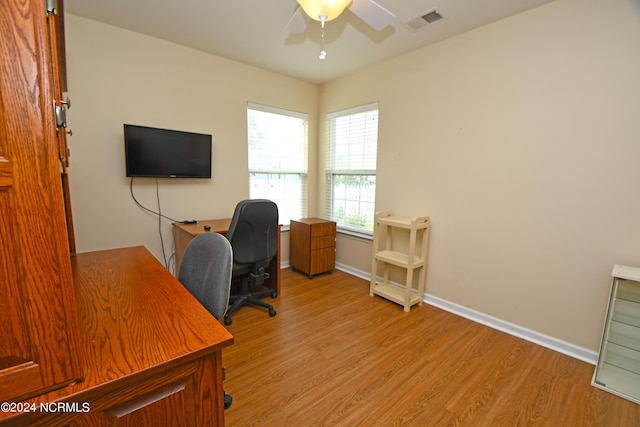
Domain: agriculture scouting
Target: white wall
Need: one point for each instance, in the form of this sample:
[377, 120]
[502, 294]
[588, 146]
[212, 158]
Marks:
[521, 141]
[116, 77]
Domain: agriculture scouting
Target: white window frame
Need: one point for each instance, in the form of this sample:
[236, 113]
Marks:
[363, 133]
[291, 166]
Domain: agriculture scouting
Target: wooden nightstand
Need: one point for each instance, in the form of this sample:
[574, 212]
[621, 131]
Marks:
[312, 246]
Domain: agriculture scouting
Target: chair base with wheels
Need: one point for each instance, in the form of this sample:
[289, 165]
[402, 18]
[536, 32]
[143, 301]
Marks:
[228, 400]
[252, 276]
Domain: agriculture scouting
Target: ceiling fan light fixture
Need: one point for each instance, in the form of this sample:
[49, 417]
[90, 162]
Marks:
[331, 9]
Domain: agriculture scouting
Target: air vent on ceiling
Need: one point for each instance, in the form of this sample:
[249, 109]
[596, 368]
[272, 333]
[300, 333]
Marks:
[423, 19]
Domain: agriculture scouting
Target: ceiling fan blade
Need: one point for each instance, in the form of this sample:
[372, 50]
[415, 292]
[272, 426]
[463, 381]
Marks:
[298, 22]
[372, 13]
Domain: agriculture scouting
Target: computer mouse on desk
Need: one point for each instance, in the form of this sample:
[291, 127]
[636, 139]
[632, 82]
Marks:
[207, 227]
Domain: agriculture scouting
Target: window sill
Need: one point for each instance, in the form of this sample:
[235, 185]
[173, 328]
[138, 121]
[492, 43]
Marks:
[355, 234]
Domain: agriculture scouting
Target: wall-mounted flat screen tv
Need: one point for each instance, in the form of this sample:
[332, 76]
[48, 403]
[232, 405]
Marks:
[164, 153]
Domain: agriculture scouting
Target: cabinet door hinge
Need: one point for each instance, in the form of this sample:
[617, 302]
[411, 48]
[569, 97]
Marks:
[61, 116]
[52, 7]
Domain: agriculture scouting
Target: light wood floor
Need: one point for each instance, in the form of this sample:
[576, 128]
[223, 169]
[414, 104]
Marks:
[334, 356]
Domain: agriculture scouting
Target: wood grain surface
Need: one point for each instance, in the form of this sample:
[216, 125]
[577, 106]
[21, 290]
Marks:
[151, 352]
[334, 356]
[38, 352]
[134, 317]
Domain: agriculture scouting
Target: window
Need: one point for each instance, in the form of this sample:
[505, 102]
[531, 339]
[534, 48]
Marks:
[277, 141]
[351, 168]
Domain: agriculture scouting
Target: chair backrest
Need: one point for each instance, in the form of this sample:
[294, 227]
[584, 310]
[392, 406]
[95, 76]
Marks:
[206, 269]
[253, 232]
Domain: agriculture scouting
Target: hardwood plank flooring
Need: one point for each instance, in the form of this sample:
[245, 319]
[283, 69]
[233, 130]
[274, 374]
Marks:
[334, 356]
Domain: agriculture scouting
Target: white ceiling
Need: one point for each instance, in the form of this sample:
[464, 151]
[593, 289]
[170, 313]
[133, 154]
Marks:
[252, 31]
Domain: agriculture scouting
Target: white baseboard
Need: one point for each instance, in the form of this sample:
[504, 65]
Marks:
[547, 341]
[358, 273]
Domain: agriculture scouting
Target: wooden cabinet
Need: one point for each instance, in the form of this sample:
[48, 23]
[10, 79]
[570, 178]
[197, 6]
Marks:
[618, 367]
[39, 348]
[411, 258]
[108, 338]
[152, 354]
[312, 247]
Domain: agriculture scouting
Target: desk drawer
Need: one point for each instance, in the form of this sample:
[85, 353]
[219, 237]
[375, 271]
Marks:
[323, 229]
[323, 242]
[322, 261]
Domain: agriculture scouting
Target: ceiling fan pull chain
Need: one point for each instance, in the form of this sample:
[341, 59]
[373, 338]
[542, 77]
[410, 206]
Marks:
[323, 53]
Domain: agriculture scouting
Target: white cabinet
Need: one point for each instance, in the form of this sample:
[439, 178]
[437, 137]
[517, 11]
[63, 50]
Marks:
[618, 367]
[409, 255]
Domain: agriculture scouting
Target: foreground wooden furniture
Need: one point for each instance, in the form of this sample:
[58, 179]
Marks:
[39, 334]
[391, 255]
[115, 339]
[152, 354]
[313, 245]
[183, 233]
[618, 367]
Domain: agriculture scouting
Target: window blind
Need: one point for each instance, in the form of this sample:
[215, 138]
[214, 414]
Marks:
[277, 144]
[351, 167]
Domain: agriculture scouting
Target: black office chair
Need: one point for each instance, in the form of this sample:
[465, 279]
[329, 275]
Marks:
[206, 273]
[253, 234]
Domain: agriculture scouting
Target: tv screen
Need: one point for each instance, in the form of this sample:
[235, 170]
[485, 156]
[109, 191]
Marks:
[164, 153]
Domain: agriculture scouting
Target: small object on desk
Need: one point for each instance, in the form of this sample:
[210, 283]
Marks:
[207, 228]
[189, 221]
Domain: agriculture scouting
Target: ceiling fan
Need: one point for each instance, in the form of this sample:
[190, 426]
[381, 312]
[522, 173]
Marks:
[369, 11]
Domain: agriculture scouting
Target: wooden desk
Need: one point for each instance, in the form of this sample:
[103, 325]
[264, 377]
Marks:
[152, 354]
[183, 233]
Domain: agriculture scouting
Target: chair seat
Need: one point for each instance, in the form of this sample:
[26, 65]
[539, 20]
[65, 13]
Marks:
[241, 269]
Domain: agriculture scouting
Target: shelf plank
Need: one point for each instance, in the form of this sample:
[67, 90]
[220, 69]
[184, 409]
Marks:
[399, 259]
[625, 272]
[626, 312]
[623, 357]
[619, 381]
[395, 293]
[625, 335]
[394, 221]
[628, 290]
